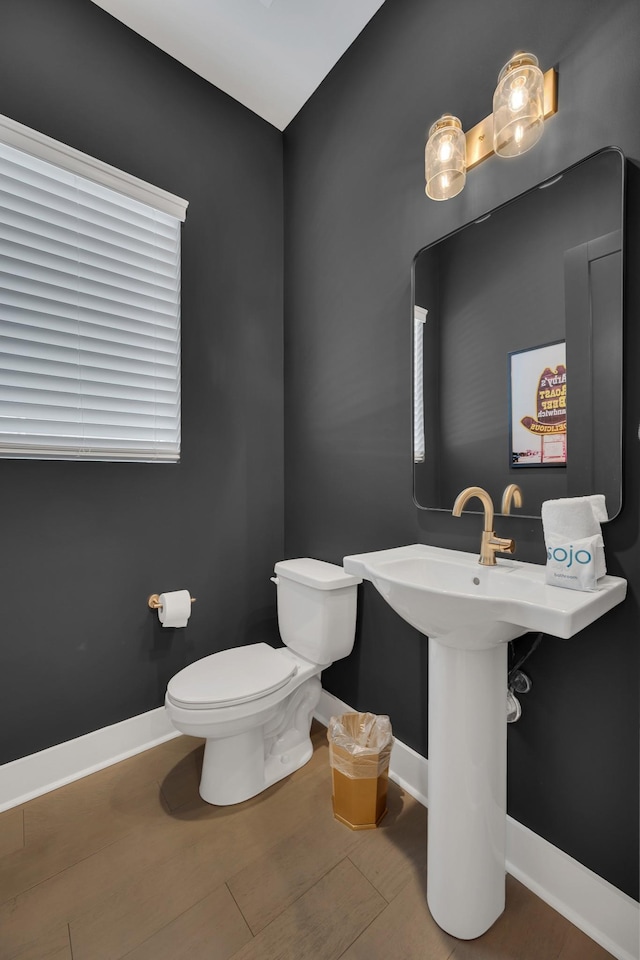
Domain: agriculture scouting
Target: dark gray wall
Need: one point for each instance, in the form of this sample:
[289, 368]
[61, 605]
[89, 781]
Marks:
[84, 544]
[355, 215]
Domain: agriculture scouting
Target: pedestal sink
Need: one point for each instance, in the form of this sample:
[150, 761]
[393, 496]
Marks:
[469, 612]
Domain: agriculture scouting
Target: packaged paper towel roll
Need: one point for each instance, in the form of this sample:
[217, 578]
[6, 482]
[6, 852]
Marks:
[176, 608]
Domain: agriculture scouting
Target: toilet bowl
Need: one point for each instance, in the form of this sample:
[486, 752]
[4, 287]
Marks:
[254, 704]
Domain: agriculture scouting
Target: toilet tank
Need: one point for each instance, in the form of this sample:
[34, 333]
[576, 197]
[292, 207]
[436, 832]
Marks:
[317, 604]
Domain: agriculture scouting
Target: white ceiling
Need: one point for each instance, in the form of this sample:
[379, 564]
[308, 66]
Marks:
[268, 54]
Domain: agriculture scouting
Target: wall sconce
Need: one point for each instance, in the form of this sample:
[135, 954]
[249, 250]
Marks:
[524, 98]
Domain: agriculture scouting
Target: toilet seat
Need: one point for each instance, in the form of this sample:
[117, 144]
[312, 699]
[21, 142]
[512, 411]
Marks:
[231, 676]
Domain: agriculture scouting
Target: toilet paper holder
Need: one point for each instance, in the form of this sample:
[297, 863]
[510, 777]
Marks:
[154, 601]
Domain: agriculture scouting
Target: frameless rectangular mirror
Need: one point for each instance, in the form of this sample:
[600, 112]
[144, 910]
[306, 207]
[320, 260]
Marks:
[517, 334]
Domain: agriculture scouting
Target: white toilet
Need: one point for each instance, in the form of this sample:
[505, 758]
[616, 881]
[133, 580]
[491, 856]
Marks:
[254, 704]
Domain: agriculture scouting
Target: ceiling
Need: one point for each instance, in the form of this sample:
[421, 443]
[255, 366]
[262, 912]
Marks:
[268, 54]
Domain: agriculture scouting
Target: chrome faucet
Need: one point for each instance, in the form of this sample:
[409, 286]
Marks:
[490, 544]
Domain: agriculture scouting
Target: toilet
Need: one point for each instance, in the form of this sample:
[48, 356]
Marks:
[254, 704]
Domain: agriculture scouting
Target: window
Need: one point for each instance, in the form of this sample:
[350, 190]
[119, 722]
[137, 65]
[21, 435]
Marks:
[89, 307]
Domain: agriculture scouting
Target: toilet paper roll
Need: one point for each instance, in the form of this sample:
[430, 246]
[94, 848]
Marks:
[176, 608]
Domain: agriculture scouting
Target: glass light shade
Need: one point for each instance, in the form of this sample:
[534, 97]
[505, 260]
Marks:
[445, 159]
[518, 106]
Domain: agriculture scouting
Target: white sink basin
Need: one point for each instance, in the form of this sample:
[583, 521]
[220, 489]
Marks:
[447, 594]
[469, 611]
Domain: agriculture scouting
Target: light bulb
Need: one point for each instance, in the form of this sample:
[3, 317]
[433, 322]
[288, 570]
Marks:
[518, 96]
[445, 150]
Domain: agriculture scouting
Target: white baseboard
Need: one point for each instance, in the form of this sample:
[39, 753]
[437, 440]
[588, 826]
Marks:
[592, 904]
[29, 777]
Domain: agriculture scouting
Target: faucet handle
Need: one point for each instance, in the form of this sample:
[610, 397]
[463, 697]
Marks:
[512, 494]
[492, 544]
[502, 545]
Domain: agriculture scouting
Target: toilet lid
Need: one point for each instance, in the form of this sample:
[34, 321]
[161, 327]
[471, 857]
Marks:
[231, 676]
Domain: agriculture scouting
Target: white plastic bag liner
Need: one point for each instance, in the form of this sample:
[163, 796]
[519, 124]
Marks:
[360, 744]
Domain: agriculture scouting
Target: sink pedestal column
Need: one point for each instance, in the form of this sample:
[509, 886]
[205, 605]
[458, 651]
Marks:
[467, 787]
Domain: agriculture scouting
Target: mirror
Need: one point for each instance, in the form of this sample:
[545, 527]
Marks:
[518, 346]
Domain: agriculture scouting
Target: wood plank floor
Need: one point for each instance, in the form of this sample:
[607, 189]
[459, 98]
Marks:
[129, 862]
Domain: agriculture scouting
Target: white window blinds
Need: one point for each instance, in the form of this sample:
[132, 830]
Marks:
[89, 318]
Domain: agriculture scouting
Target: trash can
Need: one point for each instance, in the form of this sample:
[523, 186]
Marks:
[359, 751]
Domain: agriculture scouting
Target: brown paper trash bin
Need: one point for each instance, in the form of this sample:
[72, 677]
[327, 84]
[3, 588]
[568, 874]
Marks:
[359, 752]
